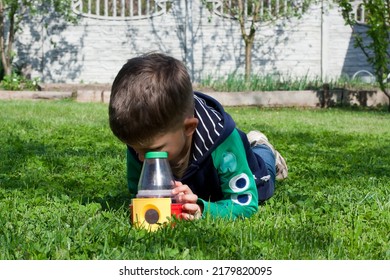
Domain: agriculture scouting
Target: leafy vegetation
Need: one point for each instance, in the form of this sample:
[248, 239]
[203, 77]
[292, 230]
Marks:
[19, 82]
[238, 83]
[376, 14]
[63, 191]
[13, 13]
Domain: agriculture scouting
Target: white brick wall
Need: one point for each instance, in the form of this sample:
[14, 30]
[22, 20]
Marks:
[94, 50]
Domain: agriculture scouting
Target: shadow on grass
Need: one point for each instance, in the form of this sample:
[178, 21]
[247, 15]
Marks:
[89, 174]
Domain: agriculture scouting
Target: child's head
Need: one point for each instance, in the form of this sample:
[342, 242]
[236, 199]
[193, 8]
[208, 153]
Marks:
[151, 95]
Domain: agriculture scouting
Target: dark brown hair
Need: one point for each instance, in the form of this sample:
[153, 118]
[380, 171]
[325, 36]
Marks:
[151, 94]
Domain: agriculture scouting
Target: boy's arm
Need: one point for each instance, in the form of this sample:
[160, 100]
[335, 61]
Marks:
[240, 198]
[133, 173]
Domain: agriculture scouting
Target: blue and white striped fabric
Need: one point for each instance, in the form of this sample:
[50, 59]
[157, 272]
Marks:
[209, 128]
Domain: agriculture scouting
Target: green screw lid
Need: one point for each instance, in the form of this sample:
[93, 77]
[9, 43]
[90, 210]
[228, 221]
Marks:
[156, 155]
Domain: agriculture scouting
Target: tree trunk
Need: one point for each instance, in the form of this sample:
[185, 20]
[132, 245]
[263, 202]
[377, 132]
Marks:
[248, 38]
[2, 41]
[248, 59]
[7, 45]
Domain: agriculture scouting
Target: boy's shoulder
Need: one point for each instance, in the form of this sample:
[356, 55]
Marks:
[209, 101]
[214, 127]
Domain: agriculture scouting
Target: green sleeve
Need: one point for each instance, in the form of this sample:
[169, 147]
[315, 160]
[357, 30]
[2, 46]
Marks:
[133, 173]
[240, 198]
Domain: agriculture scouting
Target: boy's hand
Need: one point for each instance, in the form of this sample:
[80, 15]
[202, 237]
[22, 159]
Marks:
[184, 195]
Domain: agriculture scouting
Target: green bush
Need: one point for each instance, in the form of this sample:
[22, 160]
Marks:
[19, 82]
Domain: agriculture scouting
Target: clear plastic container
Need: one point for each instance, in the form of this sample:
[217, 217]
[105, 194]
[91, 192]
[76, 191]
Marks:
[156, 178]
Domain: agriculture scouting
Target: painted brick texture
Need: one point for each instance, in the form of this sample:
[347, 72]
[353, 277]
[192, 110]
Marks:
[93, 51]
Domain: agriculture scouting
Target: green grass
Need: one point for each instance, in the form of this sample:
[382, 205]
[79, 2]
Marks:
[237, 83]
[63, 191]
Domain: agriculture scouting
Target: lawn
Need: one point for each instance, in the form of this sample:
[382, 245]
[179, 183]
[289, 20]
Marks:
[63, 191]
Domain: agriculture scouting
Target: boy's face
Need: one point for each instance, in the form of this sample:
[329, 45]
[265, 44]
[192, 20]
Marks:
[176, 142]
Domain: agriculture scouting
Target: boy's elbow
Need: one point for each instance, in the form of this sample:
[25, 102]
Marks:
[251, 210]
[247, 211]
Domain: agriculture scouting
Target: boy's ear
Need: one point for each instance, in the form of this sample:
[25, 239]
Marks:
[190, 125]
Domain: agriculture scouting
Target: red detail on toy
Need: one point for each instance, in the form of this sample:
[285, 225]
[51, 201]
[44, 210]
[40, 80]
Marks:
[177, 210]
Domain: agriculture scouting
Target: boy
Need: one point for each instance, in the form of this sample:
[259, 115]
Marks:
[219, 172]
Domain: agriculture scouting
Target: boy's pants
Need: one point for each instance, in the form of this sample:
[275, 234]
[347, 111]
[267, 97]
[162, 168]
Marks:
[268, 156]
